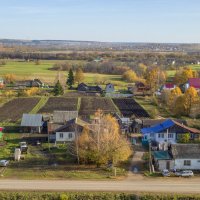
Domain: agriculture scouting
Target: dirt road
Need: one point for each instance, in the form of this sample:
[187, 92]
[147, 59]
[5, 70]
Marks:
[169, 185]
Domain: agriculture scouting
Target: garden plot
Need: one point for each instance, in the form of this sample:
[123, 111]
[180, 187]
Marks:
[14, 109]
[129, 107]
[59, 104]
[89, 105]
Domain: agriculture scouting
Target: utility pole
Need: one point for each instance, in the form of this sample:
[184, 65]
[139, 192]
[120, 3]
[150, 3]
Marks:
[150, 156]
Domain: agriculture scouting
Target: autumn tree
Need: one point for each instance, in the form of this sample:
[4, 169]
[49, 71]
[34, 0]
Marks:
[179, 109]
[174, 93]
[103, 142]
[70, 79]
[129, 76]
[190, 97]
[79, 75]
[183, 75]
[151, 77]
[61, 78]
[10, 78]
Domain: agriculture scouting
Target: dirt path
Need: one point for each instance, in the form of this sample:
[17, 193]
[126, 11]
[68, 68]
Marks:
[137, 163]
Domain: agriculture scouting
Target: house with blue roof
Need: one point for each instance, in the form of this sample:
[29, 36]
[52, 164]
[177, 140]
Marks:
[167, 133]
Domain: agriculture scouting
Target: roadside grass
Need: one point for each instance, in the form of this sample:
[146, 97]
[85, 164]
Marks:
[39, 163]
[40, 104]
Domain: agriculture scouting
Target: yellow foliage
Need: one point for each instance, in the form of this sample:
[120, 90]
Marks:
[173, 95]
[9, 93]
[182, 76]
[9, 78]
[32, 91]
[130, 76]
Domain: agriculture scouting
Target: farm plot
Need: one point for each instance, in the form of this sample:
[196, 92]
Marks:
[89, 105]
[59, 104]
[129, 107]
[14, 109]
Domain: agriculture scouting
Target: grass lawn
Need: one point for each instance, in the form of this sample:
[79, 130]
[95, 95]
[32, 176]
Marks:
[39, 163]
[28, 70]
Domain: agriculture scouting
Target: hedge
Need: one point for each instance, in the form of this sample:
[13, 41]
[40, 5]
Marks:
[91, 196]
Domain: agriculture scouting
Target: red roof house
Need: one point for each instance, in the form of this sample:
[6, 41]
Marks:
[169, 86]
[194, 82]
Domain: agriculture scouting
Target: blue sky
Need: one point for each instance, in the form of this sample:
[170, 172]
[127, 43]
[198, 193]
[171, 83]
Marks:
[102, 20]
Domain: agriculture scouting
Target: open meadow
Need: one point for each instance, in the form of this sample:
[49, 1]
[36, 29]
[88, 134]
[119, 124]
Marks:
[29, 70]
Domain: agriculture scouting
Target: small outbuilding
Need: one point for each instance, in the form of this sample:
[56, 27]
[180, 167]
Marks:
[32, 123]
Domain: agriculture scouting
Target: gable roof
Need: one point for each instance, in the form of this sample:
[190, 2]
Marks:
[194, 82]
[64, 116]
[184, 151]
[167, 124]
[31, 120]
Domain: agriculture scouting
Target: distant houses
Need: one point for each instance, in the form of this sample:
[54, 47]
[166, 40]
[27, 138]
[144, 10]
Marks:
[30, 83]
[82, 87]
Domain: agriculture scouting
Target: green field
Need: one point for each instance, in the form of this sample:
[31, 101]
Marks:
[193, 67]
[29, 70]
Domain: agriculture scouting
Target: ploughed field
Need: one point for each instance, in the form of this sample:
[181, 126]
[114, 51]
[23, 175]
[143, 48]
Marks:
[14, 109]
[89, 105]
[59, 104]
[129, 107]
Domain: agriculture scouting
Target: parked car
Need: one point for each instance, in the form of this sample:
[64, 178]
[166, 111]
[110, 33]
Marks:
[165, 172]
[4, 163]
[185, 173]
[23, 147]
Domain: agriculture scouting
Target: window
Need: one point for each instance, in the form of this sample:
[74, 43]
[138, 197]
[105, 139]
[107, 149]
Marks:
[61, 135]
[187, 162]
[70, 135]
[160, 135]
[170, 135]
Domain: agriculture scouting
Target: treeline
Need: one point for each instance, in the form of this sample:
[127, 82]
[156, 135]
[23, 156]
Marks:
[93, 67]
[166, 61]
[92, 196]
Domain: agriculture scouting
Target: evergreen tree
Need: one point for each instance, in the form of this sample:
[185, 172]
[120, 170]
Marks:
[70, 79]
[58, 90]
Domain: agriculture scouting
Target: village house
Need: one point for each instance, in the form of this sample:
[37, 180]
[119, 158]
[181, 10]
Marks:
[82, 87]
[61, 128]
[109, 88]
[178, 157]
[32, 123]
[193, 82]
[30, 83]
[168, 86]
[167, 133]
[140, 89]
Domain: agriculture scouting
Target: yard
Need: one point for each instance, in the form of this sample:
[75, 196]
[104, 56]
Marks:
[40, 163]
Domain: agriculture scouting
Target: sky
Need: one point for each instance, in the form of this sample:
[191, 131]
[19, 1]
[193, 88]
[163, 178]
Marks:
[102, 20]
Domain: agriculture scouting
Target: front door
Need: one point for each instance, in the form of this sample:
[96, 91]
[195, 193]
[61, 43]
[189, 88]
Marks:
[168, 165]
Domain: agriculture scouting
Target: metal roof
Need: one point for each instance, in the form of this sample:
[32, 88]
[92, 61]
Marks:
[162, 155]
[64, 116]
[31, 120]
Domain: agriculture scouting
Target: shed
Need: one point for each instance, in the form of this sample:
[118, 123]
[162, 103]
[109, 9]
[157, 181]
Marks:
[109, 88]
[64, 116]
[32, 122]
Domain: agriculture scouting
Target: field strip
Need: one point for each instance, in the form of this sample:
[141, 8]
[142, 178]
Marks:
[40, 104]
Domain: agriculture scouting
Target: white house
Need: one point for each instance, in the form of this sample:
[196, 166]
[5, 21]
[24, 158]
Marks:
[186, 156]
[66, 133]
